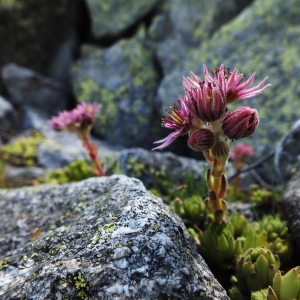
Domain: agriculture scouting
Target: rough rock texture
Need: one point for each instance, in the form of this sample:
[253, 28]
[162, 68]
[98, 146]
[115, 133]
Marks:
[27, 88]
[292, 205]
[111, 18]
[150, 167]
[287, 159]
[124, 80]
[261, 39]
[104, 238]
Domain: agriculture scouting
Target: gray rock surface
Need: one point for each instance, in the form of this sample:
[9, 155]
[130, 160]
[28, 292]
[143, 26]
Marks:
[287, 157]
[292, 205]
[103, 238]
[150, 167]
[188, 24]
[27, 88]
[124, 80]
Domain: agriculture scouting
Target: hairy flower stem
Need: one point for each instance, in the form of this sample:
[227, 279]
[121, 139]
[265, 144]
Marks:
[217, 186]
[93, 155]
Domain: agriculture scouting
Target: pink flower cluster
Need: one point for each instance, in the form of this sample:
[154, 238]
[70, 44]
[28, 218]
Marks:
[203, 111]
[81, 117]
[241, 152]
[80, 121]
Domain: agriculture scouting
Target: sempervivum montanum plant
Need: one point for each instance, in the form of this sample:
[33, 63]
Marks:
[256, 269]
[218, 244]
[191, 209]
[204, 116]
[285, 287]
[80, 121]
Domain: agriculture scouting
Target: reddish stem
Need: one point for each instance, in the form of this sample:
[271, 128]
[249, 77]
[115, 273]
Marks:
[93, 155]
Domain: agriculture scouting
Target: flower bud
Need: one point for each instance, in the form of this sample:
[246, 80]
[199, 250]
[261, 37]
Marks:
[240, 123]
[221, 151]
[202, 139]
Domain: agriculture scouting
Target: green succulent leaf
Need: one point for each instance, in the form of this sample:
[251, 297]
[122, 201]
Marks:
[222, 245]
[254, 282]
[248, 269]
[236, 294]
[262, 268]
[290, 284]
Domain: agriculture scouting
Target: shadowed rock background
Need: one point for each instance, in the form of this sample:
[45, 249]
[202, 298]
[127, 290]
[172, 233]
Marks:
[131, 57]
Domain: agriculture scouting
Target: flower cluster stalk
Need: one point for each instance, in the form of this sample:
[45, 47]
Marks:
[92, 151]
[204, 116]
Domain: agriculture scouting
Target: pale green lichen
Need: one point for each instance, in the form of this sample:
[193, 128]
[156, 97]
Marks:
[156, 228]
[110, 227]
[163, 215]
[103, 208]
[3, 264]
[23, 152]
[79, 283]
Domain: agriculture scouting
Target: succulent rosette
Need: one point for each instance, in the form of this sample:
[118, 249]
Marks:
[284, 287]
[218, 244]
[192, 209]
[257, 268]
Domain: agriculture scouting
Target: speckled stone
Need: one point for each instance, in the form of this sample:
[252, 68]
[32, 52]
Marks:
[124, 80]
[103, 238]
[150, 166]
[110, 18]
[262, 39]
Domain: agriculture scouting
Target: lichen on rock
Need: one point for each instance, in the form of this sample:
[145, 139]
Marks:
[101, 238]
